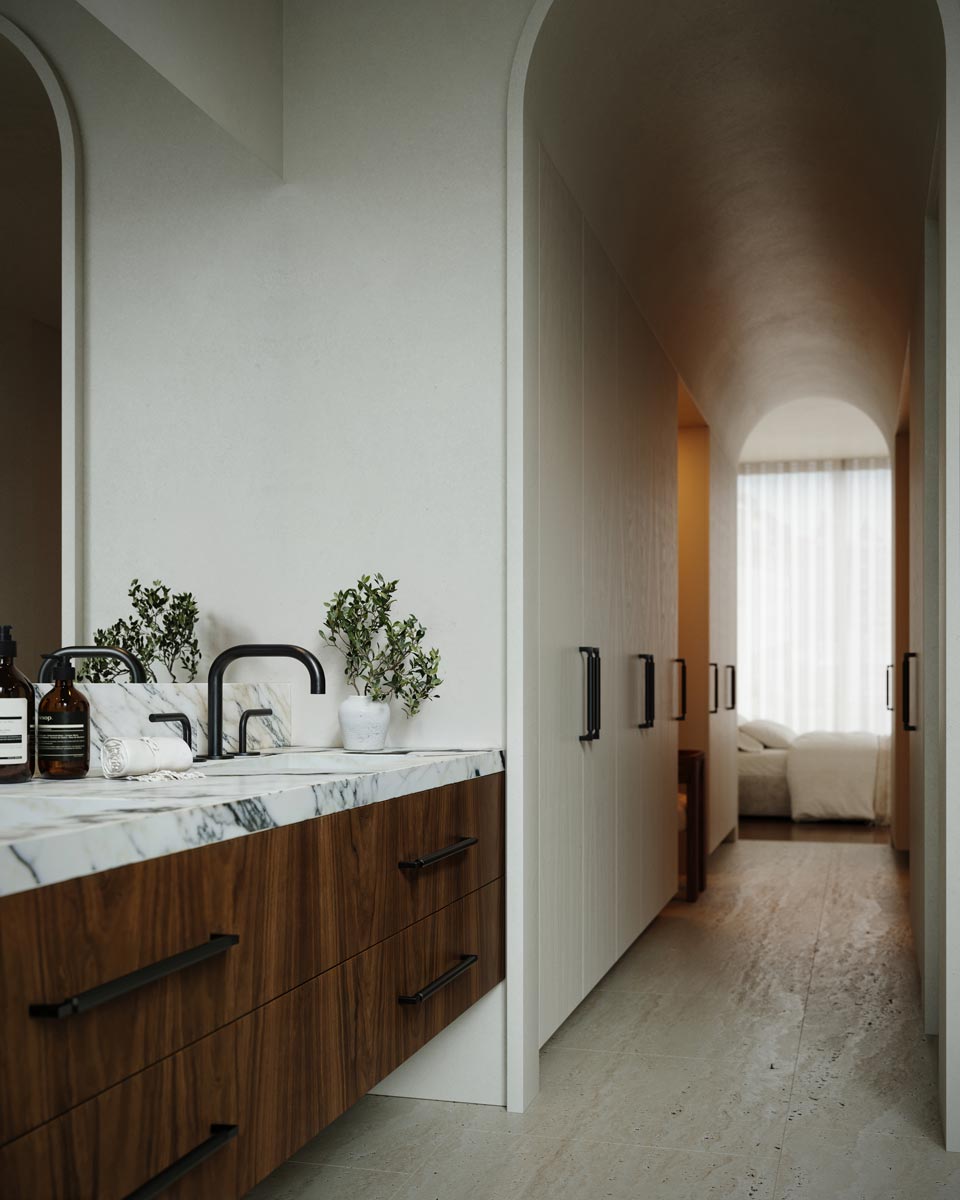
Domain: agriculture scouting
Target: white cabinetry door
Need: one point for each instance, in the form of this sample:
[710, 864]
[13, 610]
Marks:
[561, 601]
[601, 605]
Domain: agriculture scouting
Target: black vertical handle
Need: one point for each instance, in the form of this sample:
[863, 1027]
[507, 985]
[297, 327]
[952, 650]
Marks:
[731, 687]
[649, 691]
[908, 722]
[683, 688]
[890, 670]
[598, 694]
[592, 732]
[715, 688]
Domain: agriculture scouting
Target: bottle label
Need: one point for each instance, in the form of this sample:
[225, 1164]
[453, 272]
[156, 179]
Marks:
[61, 735]
[13, 732]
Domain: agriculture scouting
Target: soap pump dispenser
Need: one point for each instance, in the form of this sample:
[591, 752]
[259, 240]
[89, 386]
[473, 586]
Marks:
[63, 727]
[17, 749]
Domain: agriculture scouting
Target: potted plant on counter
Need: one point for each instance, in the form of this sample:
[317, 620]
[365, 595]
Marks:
[385, 660]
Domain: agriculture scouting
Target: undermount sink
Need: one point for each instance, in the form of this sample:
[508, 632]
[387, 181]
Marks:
[309, 762]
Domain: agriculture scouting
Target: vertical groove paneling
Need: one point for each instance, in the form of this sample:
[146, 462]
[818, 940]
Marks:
[561, 604]
[722, 783]
[601, 604]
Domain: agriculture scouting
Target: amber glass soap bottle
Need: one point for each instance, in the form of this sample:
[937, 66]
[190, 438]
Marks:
[17, 748]
[63, 727]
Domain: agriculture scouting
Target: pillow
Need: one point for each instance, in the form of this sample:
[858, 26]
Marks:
[748, 744]
[771, 734]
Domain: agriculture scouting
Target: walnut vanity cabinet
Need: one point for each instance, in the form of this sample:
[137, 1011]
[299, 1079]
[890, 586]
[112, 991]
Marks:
[287, 951]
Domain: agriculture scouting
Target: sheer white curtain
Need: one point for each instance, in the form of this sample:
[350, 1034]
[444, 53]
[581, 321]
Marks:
[815, 593]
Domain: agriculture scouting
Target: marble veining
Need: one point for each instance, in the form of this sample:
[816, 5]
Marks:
[123, 710]
[53, 831]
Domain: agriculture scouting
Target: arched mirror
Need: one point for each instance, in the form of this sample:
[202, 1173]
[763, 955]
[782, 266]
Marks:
[39, 585]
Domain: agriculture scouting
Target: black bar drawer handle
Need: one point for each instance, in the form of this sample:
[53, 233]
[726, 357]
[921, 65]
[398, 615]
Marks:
[731, 703]
[219, 942]
[219, 1136]
[649, 691]
[714, 688]
[592, 732]
[890, 670]
[457, 847]
[682, 663]
[464, 965]
[908, 722]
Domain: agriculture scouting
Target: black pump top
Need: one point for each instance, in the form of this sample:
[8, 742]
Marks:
[63, 668]
[8, 647]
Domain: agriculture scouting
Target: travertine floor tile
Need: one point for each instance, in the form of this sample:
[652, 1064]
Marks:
[296, 1181]
[874, 1168]
[477, 1166]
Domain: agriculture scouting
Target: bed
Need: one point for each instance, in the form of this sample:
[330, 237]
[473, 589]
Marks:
[815, 776]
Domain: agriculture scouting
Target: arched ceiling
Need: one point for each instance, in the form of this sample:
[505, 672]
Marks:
[758, 170]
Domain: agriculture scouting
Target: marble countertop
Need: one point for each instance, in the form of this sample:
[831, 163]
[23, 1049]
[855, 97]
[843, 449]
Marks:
[53, 831]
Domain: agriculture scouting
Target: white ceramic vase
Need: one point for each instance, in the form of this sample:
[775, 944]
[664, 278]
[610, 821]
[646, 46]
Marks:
[364, 723]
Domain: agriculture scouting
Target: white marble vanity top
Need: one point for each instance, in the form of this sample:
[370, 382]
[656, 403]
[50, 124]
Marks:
[54, 831]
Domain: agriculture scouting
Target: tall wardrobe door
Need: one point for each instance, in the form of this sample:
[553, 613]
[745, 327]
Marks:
[660, 807]
[601, 604]
[561, 602]
[636, 748]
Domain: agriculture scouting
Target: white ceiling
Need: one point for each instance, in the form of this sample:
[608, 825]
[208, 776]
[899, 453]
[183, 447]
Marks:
[758, 170]
[806, 429]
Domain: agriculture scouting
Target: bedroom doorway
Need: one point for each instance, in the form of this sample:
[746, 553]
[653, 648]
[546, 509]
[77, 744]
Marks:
[815, 619]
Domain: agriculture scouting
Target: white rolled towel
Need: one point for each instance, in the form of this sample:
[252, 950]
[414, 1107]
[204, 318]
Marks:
[157, 757]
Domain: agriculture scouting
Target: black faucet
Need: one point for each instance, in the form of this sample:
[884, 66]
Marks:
[318, 683]
[133, 664]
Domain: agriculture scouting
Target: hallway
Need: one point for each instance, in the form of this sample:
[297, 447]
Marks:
[763, 1043]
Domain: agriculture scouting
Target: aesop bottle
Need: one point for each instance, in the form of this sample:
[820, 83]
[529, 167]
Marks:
[63, 727]
[17, 748]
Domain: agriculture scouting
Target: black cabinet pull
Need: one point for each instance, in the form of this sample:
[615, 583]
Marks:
[649, 691]
[592, 732]
[908, 722]
[714, 688]
[731, 687]
[457, 847]
[73, 1005]
[219, 1136]
[890, 670]
[464, 965]
[682, 663]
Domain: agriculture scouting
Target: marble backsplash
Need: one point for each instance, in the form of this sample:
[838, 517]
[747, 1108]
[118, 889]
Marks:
[123, 710]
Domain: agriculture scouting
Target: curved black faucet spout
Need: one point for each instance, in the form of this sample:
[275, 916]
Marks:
[318, 683]
[133, 664]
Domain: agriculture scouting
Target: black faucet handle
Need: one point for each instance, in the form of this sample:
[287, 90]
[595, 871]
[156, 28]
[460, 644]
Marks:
[176, 718]
[244, 718]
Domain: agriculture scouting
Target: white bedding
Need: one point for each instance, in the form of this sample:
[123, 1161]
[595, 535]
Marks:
[824, 776]
[838, 776]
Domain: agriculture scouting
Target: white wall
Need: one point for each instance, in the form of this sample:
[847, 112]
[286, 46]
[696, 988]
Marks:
[290, 384]
[224, 55]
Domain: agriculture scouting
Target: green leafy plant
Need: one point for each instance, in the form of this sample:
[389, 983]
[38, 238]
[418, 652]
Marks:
[161, 631]
[384, 659]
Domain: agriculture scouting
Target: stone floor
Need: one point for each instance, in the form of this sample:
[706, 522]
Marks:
[764, 1043]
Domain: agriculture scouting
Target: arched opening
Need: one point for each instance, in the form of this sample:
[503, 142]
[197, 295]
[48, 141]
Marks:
[702, 202]
[39, 321]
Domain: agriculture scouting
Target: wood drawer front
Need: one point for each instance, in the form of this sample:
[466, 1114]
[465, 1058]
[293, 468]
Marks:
[61, 941]
[309, 1055]
[438, 944]
[440, 819]
[111, 1145]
